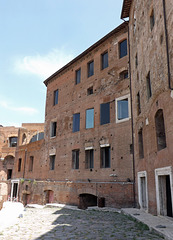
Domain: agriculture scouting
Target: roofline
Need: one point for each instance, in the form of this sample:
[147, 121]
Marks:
[126, 8]
[116, 30]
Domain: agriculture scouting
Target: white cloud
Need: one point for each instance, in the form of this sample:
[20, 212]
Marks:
[24, 110]
[43, 65]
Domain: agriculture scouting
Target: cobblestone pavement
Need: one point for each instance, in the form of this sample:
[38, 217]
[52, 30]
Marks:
[68, 224]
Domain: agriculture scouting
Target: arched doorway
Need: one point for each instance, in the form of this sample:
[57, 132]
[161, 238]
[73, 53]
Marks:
[87, 200]
[8, 165]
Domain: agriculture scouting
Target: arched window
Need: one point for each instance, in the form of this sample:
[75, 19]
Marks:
[160, 130]
[24, 139]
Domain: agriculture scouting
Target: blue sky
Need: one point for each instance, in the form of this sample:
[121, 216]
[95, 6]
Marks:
[37, 38]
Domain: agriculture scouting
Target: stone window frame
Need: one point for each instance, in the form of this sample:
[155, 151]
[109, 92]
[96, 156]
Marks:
[116, 108]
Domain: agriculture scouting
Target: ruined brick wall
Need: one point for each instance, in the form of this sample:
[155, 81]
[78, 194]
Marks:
[148, 56]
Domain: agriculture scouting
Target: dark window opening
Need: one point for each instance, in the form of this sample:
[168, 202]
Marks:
[152, 20]
[104, 59]
[148, 81]
[55, 97]
[90, 91]
[13, 141]
[105, 157]
[76, 122]
[136, 60]
[123, 48]
[75, 159]
[140, 143]
[52, 162]
[31, 162]
[124, 74]
[90, 69]
[9, 173]
[53, 129]
[104, 113]
[160, 130]
[89, 158]
[78, 76]
[19, 164]
[138, 103]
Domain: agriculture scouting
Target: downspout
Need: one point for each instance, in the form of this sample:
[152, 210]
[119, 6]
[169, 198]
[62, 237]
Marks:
[167, 45]
[134, 177]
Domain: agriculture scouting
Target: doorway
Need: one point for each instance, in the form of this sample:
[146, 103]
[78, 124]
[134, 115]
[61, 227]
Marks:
[142, 190]
[14, 190]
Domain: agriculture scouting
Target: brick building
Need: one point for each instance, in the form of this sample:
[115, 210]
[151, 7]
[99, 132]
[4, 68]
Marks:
[151, 61]
[85, 158]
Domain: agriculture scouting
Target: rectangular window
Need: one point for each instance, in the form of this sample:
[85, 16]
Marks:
[75, 159]
[138, 103]
[76, 122]
[9, 173]
[13, 142]
[89, 158]
[53, 129]
[19, 164]
[123, 48]
[140, 143]
[90, 91]
[90, 69]
[78, 76]
[105, 157]
[148, 82]
[104, 59]
[90, 118]
[52, 162]
[123, 108]
[152, 20]
[104, 113]
[55, 101]
[31, 162]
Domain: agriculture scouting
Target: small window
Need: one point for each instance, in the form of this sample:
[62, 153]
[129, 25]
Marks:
[124, 74]
[123, 108]
[9, 174]
[123, 48]
[90, 91]
[19, 164]
[78, 76]
[138, 103]
[76, 122]
[55, 101]
[105, 157]
[90, 69]
[31, 162]
[90, 118]
[104, 113]
[13, 141]
[53, 129]
[140, 143]
[52, 162]
[152, 20]
[104, 59]
[136, 60]
[89, 158]
[148, 82]
[160, 130]
[75, 159]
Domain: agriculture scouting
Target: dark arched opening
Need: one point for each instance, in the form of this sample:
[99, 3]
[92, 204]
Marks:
[160, 130]
[87, 200]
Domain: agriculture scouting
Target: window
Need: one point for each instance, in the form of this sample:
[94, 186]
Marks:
[140, 143]
[124, 74]
[19, 164]
[9, 174]
[152, 20]
[160, 130]
[90, 91]
[123, 108]
[89, 158]
[78, 76]
[138, 103]
[105, 157]
[52, 162]
[76, 122]
[90, 69]
[53, 129]
[31, 162]
[123, 48]
[104, 59]
[55, 101]
[13, 141]
[148, 82]
[90, 118]
[136, 60]
[104, 113]
[75, 159]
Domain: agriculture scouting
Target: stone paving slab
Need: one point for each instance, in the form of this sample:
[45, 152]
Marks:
[160, 224]
[61, 223]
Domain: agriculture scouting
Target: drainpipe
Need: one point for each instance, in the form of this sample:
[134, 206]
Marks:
[133, 161]
[167, 45]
